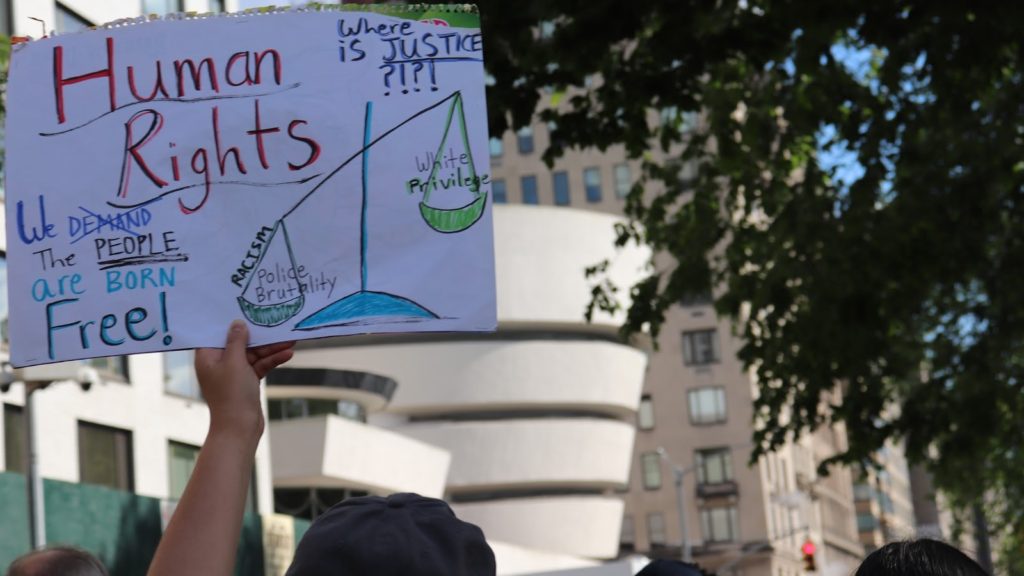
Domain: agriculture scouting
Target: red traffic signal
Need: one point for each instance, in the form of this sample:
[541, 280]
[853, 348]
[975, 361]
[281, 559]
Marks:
[808, 550]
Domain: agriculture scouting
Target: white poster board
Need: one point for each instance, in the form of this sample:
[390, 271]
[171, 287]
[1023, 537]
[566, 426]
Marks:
[317, 173]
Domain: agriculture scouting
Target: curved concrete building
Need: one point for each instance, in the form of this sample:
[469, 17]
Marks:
[538, 417]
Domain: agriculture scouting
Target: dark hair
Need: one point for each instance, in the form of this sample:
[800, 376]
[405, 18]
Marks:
[57, 561]
[922, 557]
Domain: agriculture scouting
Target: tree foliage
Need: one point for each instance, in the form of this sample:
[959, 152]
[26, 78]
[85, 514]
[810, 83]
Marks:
[858, 204]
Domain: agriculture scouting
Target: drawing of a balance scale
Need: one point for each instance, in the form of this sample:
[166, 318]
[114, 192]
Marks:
[367, 306]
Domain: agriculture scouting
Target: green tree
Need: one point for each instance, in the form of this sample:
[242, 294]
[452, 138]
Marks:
[858, 204]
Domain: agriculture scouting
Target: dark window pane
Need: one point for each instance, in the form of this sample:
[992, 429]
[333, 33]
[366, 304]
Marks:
[701, 298]
[321, 407]
[161, 7]
[179, 375]
[592, 183]
[216, 5]
[714, 466]
[700, 347]
[292, 408]
[116, 366]
[707, 405]
[68, 21]
[719, 524]
[623, 180]
[529, 185]
[656, 528]
[497, 149]
[628, 533]
[104, 456]
[15, 458]
[499, 192]
[651, 470]
[560, 182]
[524, 140]
[309, 503]
[645, 414]
[181, 462]
[3, 296]
[5, 17]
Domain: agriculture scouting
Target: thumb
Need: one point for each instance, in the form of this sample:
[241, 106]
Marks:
[238, 340]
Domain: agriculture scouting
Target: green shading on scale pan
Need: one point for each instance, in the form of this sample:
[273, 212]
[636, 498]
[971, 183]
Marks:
[449, 220]
[272, 314]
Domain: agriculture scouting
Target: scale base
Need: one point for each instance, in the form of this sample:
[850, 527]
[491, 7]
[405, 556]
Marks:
[366, 307]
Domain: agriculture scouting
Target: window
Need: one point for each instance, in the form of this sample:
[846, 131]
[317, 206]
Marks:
[669, 115]
[181, 460]
[111, 365]
[700, 347]
[690, 121]
[5, 17]
[498, 191]
[105, 456]
[656, 528]
[651, 465]
[560, 182]
[68, 21]
[179, 376]
[719, 524]
[216, 6]
[15, 458]
[309, 503]
[866, 522]
[547, 29]
[496, 147]
[645, 414]
[524, 140]
[862, 492]
[291, 408]
[707, 405]
[623, 180]
[628, 533]
[162, 7]
[714, 466]
[592, 184]
[701, 298]
[529, 185]
[3, 295]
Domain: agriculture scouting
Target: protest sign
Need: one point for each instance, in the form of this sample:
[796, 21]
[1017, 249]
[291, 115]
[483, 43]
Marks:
[317, 172]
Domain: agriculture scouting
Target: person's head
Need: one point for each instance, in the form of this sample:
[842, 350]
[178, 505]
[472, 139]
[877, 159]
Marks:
[670, 568]
[57, 561]
[922, 557]
[400, 535]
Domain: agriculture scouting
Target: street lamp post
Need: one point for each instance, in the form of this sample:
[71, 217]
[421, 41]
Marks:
[35, 379]
[679, 473]
[34, 482]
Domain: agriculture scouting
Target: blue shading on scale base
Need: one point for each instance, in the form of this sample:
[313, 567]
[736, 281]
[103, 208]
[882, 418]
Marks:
[365, 307]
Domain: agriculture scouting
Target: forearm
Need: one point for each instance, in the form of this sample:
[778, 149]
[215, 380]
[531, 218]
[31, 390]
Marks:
[202, 537]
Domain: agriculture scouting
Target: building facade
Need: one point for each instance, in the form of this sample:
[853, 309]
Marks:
[695, 411]
[884, 500]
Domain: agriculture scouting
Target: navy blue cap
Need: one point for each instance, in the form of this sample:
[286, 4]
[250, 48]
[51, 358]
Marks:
[400, 535]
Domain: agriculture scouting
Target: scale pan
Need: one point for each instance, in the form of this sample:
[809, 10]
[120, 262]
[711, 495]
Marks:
[451, 220]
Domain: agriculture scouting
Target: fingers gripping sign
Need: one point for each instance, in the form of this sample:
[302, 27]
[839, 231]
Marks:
[229, 378]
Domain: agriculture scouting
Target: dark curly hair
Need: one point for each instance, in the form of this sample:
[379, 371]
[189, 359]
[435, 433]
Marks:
[57, 561]
[922, 557]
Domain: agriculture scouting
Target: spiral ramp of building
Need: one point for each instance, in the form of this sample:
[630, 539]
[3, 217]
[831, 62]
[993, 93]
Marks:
[528, 431]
